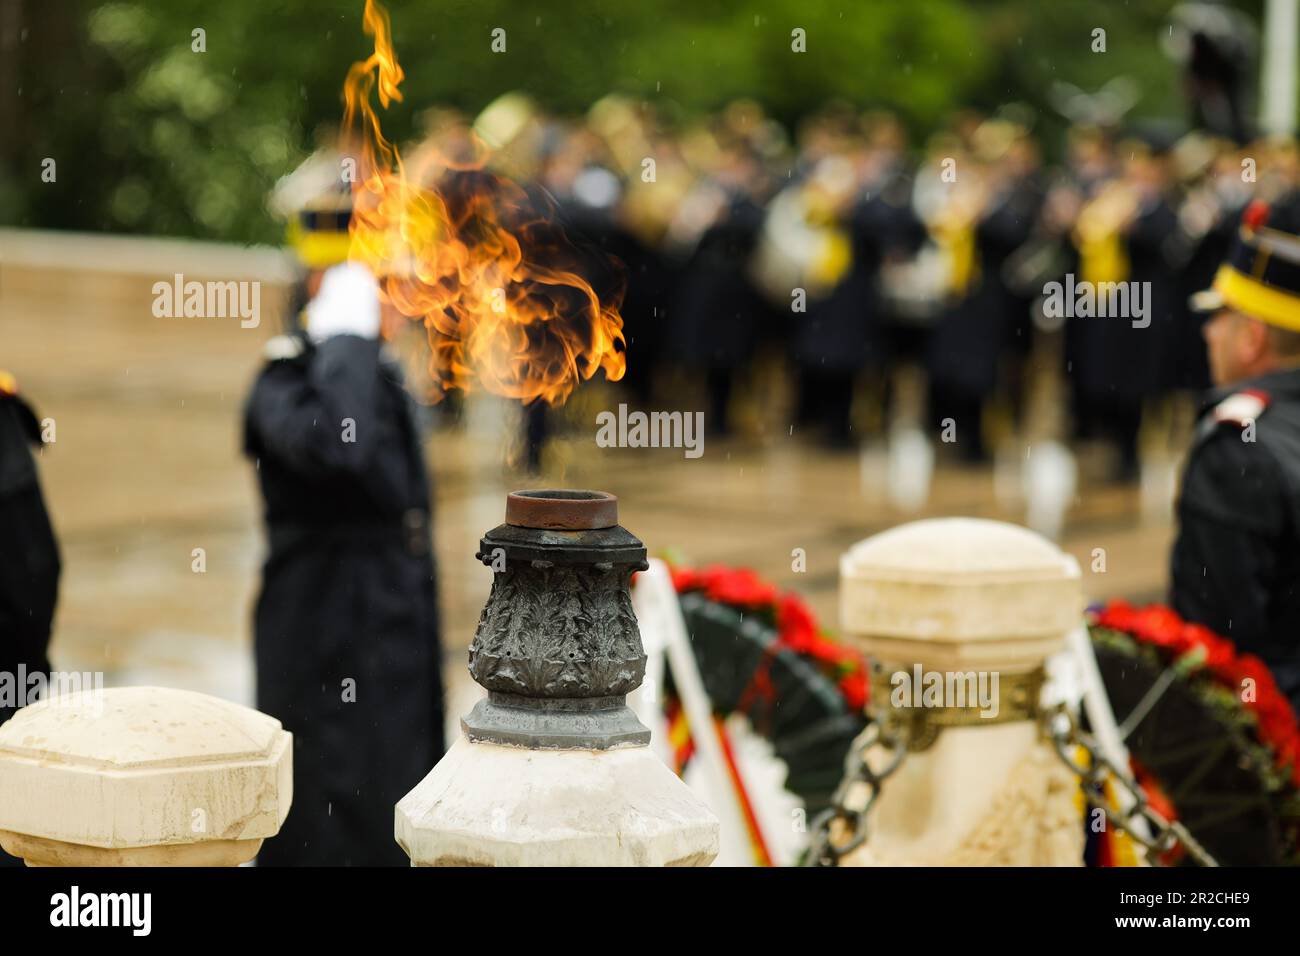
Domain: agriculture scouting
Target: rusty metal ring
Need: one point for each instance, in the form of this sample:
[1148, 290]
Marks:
[555, 510]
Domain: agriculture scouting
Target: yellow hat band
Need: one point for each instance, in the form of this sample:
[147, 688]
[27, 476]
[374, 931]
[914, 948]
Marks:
[1268, 304]
[318, 249]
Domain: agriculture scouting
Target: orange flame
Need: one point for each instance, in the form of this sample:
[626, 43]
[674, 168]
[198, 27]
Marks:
[496, 284]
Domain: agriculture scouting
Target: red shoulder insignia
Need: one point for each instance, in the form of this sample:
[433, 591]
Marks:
[1242, 408]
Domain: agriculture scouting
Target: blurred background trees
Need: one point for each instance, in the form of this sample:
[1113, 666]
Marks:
[152, 137]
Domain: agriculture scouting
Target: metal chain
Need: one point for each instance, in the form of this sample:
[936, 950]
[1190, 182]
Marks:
[823, 849]
[848, 809]
[1065, 734]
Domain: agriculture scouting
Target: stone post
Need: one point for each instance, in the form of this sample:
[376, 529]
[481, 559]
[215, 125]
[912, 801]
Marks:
[553, 768]
[981, 604]
[141, 776]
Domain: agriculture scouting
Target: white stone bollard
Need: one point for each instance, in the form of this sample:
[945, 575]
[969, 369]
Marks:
[141, 776]
[958, 597]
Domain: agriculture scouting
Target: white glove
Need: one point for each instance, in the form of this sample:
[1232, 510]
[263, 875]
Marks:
[347, 303]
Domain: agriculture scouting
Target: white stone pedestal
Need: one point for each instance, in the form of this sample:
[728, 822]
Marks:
[967, 595]
[491, 805]
[141, 776]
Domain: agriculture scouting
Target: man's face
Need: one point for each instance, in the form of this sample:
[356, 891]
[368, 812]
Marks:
[1233, 342]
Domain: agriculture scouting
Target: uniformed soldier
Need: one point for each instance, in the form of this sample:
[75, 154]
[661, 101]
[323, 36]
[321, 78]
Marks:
[29, 556]
[1122, 236]
[720, 313]
[1236, 561]
[976, 334]
[346, 629]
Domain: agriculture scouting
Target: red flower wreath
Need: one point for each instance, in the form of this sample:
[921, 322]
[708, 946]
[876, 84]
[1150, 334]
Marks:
[796, 626]
[1162, 628]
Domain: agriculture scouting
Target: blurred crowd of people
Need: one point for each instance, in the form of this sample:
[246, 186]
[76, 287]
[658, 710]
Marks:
[849, 251]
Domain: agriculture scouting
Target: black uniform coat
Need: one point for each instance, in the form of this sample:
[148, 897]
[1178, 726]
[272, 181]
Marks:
[1236, 561]
[347, 642]
[719, 314]
[29, 553]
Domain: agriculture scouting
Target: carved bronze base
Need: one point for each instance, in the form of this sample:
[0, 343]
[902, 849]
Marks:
[557, 645]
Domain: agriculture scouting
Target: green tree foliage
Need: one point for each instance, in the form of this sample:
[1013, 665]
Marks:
[150, 136]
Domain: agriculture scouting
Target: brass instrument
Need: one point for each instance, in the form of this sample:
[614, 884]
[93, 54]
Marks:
[1099, 232]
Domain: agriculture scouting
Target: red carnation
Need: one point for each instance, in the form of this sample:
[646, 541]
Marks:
[794, 620]
[738, 586]
[854, 688]
[1256, 215]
